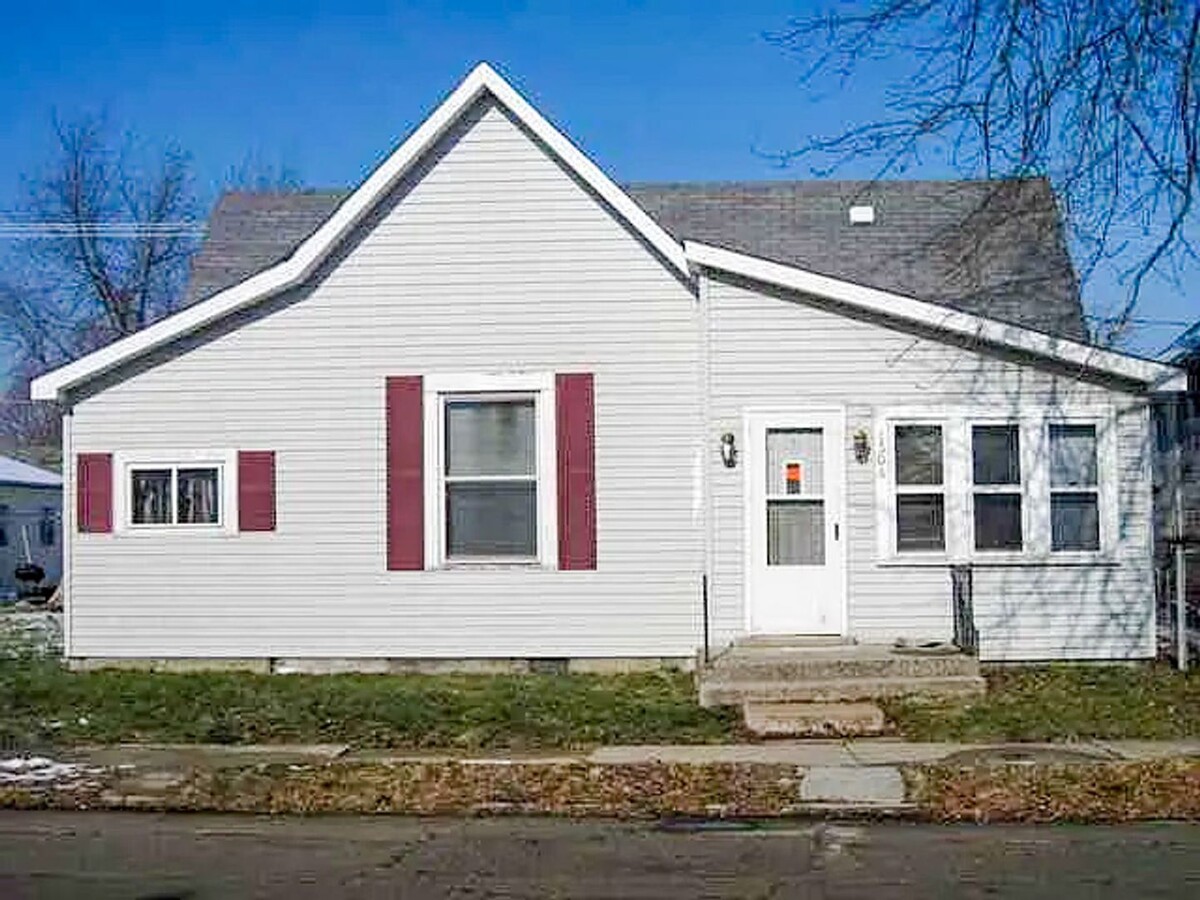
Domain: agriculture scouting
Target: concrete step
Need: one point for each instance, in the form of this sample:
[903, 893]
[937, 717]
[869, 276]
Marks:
[794, 642]
[780, 665]
[814, 719]
[719, 691]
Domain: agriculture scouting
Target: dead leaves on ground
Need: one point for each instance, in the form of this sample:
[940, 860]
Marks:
[465, 788]
[1107, 792]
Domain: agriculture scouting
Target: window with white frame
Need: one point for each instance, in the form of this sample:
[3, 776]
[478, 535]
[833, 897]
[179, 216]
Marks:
[919, 452]
[490, 477]
[47, 527]
[175, 495]
[1074, 487]
[996, 492]
[963, 485]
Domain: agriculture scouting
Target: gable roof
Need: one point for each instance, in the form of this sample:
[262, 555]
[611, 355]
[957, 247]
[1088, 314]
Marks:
[316, 247]
[13, 472]
[261, 245]
[1086, 357]
[926, 241]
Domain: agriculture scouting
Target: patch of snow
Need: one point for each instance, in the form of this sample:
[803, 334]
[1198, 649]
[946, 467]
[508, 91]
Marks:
[40, 770]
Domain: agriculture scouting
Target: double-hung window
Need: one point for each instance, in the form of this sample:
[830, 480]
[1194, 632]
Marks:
[996, 500]
[491, 477]
[920, 476]
[490, 469]
[1074, 488]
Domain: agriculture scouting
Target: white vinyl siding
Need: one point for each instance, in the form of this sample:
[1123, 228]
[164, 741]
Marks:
[491, 258]
[769, 348]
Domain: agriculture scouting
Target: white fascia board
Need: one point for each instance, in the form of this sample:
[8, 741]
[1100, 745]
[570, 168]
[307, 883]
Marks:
[1175, 381]
[935, 316]
[309, 254]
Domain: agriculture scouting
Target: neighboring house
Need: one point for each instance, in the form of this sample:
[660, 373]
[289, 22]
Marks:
[30, 522]
[490, 404]
[1177, 486]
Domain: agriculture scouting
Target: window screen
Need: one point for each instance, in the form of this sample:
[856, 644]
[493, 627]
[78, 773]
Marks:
[491, 477]
[175, 495]
[1074, 491]
[996, 477]
[920, 491]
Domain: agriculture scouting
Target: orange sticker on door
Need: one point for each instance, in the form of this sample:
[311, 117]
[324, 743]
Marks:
[793, 477]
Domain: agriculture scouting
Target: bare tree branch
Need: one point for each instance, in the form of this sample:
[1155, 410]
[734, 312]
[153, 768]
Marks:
[1100, 95]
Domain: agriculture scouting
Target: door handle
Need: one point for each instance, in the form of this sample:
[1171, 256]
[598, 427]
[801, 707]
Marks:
[837, 531]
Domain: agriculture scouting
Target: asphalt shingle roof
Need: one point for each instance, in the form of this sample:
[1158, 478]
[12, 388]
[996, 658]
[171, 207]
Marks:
[990, 247]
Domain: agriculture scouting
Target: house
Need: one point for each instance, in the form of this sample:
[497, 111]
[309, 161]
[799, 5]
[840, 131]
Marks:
[30, 524]
[1177, 494]
[491, 405]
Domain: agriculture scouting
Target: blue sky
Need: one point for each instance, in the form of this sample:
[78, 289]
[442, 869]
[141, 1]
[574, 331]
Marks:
[652, 91]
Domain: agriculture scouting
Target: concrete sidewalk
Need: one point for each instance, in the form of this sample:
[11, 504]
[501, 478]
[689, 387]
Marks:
[862, 752]
[864, 775]
[851, 753]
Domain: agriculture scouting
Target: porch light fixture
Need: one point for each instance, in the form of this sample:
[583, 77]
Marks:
[729, 452]
[862, 446]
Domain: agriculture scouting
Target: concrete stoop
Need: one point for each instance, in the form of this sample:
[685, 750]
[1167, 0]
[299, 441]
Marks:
[829, 689]
[813, 719]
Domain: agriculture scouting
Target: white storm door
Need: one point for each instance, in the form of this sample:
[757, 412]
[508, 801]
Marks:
[795, 492]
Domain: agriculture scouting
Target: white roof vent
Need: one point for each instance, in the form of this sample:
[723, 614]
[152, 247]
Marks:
[862, 215]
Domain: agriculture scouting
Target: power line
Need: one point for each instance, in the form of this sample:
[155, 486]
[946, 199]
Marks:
[101, 229]
[1138, 320]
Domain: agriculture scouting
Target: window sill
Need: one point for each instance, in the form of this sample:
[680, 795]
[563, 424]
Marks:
[471, 565]
[145, 531]
[1000, 560]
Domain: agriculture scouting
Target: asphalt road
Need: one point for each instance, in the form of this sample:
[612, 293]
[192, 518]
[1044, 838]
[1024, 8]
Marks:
[127, 856]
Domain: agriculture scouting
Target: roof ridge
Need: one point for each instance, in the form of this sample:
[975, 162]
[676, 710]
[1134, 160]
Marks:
[332, 191]
[768, 182]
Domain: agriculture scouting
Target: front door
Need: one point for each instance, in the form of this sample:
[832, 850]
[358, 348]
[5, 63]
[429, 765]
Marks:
[796, 539]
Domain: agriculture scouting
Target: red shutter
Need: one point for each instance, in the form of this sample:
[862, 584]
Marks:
[405, 474]
[575, 401]
[93, 492]
[256, 490]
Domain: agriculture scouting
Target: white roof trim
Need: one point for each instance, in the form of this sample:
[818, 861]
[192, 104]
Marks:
[941, 318]
[13, 472]
[306, 257]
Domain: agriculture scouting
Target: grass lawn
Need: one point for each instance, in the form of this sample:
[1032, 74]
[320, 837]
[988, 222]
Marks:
[43, 704]
[1062, 703]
